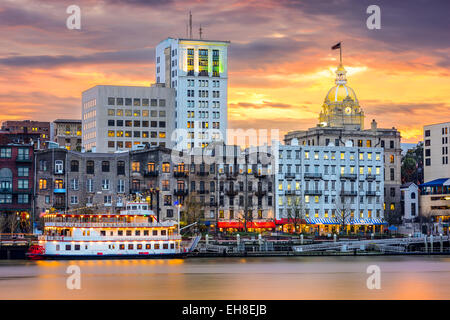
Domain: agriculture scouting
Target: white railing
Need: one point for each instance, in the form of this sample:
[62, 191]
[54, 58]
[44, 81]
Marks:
[109, 238]
[109, 224]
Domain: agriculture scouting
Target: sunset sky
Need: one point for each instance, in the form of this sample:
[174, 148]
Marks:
[280, 60]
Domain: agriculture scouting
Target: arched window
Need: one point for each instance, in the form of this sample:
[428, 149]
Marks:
[74, 165]
[90, 167]
[413, 195]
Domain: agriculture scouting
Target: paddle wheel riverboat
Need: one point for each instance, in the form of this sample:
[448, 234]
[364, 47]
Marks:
[134, 233]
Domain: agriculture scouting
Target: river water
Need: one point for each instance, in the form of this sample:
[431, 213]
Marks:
[402, 277]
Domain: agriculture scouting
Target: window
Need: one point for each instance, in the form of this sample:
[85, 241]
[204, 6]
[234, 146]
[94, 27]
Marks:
[74, 166]
[120, 186]
[105, 184]
[23, 198]
[74, 184]
[90, 167]
[73, 200]
[23, 171]
[42, 184]
[59, 166]
[22, 184]
[90, 185]
[135, 166]
[121, 167]
[5, 153]
[105, 166]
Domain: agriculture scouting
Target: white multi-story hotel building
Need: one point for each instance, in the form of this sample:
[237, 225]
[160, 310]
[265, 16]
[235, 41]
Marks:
[320, 185]
[198, 71]
[116, 118]
[436, 144]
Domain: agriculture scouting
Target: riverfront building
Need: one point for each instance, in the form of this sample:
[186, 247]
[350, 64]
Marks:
[30, 127]
[322, 186]
[116, 118]
[342, 120]
[198, 71]
[16, 184]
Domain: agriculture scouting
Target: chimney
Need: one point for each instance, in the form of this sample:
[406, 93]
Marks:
[373, 125]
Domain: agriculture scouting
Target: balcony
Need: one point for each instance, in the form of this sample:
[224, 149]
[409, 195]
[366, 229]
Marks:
[260, 193]
[291, 192]
[213, 204]
[289, 175]
[231, 175]
[59, 205]
[231, 193]
[371, 177]
[349, 193]
[56, 172]
[202, 173]
[23, 159]
[371, 193]
[180, 192]
[349, 176]
[313, 192]
[202, 191]
[59, 190]
[313, 175]
[180, 174]
[260, 175]
[151, 173]
[6, 190]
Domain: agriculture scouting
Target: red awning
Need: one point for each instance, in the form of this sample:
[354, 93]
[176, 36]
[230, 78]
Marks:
[290, 221]
[240, 225]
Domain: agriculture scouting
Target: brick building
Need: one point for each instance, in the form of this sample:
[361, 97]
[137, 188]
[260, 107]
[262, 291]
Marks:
[16, 182]
[41, 128]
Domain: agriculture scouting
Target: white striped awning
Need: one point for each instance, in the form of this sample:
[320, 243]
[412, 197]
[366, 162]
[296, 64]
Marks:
[354, 221]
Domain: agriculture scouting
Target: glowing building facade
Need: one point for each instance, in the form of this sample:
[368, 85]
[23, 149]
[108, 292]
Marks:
[197, 70]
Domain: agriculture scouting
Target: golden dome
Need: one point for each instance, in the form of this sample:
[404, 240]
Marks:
[339, 93]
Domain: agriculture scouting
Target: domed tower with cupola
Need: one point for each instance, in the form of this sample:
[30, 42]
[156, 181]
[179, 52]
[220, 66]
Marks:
[341, 107]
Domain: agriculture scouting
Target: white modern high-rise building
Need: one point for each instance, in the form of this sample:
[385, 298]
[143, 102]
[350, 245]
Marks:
[198, 71]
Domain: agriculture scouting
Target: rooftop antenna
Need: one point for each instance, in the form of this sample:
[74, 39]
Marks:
[190, 24]
[200, 31]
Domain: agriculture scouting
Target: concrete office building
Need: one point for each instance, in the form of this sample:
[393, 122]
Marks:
[435, 148]
[116, 118]
[198, 71]
[321, 185]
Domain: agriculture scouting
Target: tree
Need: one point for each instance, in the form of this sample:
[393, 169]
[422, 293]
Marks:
[192, 210]
[296, 211]
[343, 210]
[412, 165]
[12, 222]
[3, 223]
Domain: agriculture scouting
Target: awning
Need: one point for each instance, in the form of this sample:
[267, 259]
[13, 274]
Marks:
[353, 221]
[250, 225]
[290, 221]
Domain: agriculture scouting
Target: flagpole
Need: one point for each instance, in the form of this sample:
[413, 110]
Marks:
[340, 52]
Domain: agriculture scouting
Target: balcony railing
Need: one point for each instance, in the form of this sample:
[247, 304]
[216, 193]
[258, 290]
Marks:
[289, 175]
[180, 192]
[260, 174]
[371, 193]
[151, 173]
[350, 176]
[202, 191]
[231, 193]
[231, 175]
[260, 193]
[313, 192]
[371, 177]
[202, 173]
[313, 175]
[6, 190]
[109, 224]
[291, 192]
[23, 159]
[349, 193]
[180, 174]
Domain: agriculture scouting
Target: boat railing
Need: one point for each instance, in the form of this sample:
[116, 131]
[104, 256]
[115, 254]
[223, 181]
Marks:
[109, 224]
[109, 238]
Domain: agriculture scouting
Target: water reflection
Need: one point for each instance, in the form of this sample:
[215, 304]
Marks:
[230, 278]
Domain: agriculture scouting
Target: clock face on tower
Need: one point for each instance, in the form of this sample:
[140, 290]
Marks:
[348, 110]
